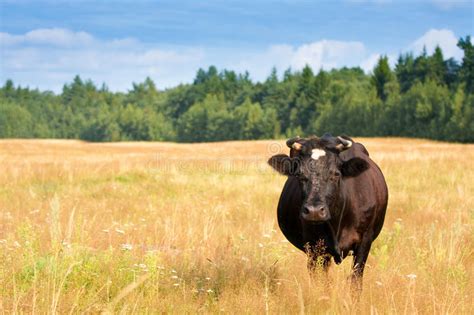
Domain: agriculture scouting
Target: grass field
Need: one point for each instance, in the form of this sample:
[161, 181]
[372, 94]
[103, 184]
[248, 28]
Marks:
[185, 228]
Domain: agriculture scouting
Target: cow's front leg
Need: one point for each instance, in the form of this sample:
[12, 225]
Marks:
[360, 258]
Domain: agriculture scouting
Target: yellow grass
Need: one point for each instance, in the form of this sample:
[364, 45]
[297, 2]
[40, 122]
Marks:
[185, 228]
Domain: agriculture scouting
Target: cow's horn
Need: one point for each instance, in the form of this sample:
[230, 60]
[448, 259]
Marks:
[297, 146]
[291, 143]
[345, 144]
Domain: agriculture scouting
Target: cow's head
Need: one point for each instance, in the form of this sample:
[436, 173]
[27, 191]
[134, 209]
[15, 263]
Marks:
[320, 170]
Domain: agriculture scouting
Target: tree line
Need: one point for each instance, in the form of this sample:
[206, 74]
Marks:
[424, 96]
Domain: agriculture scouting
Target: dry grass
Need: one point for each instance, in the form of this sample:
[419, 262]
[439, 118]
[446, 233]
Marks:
[162, 227]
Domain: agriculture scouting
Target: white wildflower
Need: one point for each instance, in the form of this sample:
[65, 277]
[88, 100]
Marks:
[127, 246]
[411, 276]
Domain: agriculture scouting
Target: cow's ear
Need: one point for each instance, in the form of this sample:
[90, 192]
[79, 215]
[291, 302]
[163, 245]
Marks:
[354, 167]
[283, 164]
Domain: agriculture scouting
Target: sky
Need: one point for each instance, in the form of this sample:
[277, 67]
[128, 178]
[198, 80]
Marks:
[44, 44]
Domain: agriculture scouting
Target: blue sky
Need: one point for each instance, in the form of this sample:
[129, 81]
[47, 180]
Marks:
[45, 43]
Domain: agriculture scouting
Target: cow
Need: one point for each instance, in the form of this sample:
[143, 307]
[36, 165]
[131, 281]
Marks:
[334, 201]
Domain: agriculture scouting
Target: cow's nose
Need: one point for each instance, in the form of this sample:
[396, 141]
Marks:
[316, 213]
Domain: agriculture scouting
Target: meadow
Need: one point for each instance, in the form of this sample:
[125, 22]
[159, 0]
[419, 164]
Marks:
[185, 228]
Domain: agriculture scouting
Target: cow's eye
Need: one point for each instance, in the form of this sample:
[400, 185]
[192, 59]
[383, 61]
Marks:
[335, 175]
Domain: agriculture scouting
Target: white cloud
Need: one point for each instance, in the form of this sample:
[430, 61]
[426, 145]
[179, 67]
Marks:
[7, 39]
[48, 36]
[443, 38]
[328, 54]
[325, 54]
[369, 63]
[48, 58]
[59, 37]
[259, 63]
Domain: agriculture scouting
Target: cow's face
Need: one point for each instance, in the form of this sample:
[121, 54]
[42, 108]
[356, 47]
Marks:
[320, 170]
[319, 177]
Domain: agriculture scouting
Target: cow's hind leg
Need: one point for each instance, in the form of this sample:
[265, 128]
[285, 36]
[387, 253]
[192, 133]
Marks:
[360, 258]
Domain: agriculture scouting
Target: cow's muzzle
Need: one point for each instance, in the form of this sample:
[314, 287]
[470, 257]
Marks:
[315, 214]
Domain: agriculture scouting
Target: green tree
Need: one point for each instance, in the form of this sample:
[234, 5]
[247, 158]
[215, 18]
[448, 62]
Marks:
[381, 76]
[209, 120]
[425, 96]
[437, 67]
[102, 127]
[461, 123]
[143, 94]
[252, 122]
[467, 66]
[405, 71]
[15, 121]
[421, 66]
[132, 123]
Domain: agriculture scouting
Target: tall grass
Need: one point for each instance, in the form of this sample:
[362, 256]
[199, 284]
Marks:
[162, 227]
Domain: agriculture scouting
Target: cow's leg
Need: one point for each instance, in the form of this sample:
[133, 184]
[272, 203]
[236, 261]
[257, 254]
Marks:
[360, 257]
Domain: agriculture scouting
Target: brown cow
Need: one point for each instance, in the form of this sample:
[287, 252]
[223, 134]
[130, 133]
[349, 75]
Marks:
[334, 200]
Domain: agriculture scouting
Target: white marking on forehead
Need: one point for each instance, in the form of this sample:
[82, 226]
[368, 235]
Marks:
[317, 153]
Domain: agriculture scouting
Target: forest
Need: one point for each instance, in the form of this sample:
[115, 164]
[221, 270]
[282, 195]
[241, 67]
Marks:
[422, 96]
